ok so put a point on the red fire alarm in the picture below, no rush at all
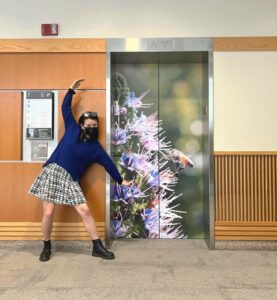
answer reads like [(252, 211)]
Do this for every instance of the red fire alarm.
[(49, 29)]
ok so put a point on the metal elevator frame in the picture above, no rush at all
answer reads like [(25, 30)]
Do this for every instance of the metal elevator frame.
[(129, 45)]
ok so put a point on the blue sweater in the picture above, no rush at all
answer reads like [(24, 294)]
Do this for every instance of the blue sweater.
[(75, 156)]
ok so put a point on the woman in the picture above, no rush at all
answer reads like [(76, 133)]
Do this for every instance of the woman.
[(57, 183)]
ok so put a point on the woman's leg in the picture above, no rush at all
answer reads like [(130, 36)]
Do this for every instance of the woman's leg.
[(88, 220), (89, 223), (47, 223), (47, 219)]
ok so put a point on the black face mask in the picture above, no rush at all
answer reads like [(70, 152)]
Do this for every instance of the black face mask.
[(91, 132)]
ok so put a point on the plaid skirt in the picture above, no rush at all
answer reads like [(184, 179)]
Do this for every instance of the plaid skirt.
[(56, 185)]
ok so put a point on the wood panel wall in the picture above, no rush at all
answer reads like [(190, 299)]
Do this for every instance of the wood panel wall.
[(264, 43), (52, 64), (10, 126), (246, 196), (51, 70)]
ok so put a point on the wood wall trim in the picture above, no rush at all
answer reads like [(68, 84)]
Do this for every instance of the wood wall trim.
[(52, 45), (247, 223), (246, 231), (61, 231), (245, 152), (268, 43)]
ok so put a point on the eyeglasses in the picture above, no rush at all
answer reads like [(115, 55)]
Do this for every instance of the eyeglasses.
[(89, 114)]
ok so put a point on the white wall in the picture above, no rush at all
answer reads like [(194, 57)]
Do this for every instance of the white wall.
[(245, 83), (245, 93), (139, 18)]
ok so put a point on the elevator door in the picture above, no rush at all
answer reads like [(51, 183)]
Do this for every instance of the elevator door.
[(157, 143)]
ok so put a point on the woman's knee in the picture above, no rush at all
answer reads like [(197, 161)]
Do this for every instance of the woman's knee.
[(83, 210), (48, 209)]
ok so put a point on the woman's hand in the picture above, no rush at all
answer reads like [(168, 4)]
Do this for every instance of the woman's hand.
[(76, 84), (127, 183)]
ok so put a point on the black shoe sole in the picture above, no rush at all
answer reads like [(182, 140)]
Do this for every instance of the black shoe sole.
[(44, 259), (105, 257)]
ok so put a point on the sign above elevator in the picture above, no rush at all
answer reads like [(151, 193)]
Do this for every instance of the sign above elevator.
[(158, 44), (162, 44)]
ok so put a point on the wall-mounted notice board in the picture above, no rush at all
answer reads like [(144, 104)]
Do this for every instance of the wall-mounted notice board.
[(39, 115)]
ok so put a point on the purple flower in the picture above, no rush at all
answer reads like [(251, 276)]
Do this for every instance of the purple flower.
[(164, 179), (135, 162), (135, 102), (157, 213), (153, 178), (119, 136), (123, 192), (145, 126), (150, 143), (151, 221), (119, 230), (129, 160)]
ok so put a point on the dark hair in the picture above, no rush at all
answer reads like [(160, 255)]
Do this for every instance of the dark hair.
[(88, 115)]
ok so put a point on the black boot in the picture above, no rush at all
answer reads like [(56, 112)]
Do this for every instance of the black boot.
[(46, 251), (100, 251)]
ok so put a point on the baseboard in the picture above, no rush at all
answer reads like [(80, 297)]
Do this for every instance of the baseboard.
[(61, 231)]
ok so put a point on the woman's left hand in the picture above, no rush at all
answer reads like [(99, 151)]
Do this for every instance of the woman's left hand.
[(76, 83), (127, 183)]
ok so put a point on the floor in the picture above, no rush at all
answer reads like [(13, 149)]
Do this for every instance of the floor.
[(143, 269)]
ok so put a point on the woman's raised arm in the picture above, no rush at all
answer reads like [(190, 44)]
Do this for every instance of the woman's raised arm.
[(67, 102)]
